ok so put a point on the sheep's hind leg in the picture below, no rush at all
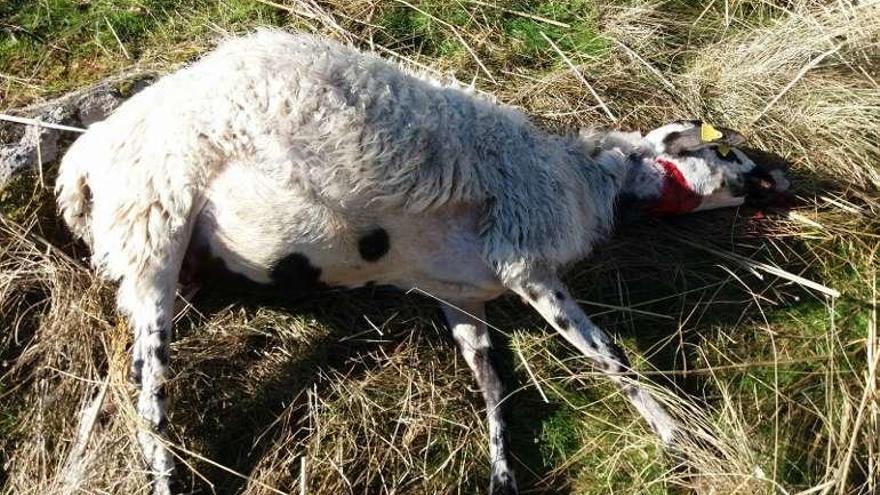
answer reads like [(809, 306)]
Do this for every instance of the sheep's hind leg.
[(147, 298), (551, 299), (472, 337)]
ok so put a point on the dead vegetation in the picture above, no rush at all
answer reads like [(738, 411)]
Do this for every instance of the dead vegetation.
[(362, 392)]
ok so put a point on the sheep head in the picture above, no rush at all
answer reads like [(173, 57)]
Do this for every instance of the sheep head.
[(690, 166)]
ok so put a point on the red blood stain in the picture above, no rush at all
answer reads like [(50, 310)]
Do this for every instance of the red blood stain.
[(677, 196)]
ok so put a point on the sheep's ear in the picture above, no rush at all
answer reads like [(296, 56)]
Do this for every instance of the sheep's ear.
[(700, 136)]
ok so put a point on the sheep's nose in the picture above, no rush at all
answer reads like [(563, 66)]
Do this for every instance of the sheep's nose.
[(767, 187), (782, 183)]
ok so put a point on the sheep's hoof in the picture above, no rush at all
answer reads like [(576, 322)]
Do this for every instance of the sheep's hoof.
[(162, 486), (503, 484)]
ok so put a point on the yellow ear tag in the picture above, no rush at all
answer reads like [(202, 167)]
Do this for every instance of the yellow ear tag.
[(724, 150), (709, 133)]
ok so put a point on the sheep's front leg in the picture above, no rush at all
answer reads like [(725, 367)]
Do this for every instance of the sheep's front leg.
[(551, 299), (148, 300), (472, 337)]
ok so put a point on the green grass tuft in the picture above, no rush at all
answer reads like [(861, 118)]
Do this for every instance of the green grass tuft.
[(58, 45), (560, 438), (423, 30), (582, 39)]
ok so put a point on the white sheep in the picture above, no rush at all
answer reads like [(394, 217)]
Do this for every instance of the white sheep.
[(298, 161)]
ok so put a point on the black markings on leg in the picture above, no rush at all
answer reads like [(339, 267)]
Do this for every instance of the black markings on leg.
[(472, 338), (575, 326), (373, 245), (619, 355), (531, 294), (161, 354), (161, 393), (563, 322)]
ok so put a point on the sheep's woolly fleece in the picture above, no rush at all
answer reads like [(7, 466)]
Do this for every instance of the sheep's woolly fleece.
[(349, 128)]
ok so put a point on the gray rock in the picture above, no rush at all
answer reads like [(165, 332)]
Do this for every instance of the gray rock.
[(96, 107), (27, 147)]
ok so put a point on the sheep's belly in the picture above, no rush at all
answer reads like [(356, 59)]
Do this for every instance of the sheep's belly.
[(274, 235)]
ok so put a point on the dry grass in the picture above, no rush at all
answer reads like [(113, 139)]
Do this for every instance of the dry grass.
[(362, 390)]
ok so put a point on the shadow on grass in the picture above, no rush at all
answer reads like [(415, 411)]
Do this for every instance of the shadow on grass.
[(231, 419)]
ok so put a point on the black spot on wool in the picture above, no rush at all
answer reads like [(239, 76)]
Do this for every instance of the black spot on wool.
[(374, 244), (290, 277), (295, 273)]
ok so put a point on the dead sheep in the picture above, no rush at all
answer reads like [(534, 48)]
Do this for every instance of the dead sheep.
[(300, 162)]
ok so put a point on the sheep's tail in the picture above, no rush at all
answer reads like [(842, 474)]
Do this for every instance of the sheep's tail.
[(72, 192)]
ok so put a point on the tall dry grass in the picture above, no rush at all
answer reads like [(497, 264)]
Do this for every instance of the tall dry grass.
[(363, 394)]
